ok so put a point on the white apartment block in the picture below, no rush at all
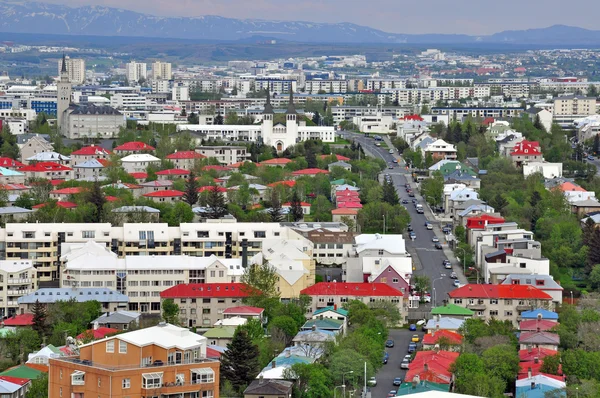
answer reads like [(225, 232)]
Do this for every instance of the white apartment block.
[(210, 85), (17, 278), (161, 86), (161, 71), (128, 101), (275, 86), (460, 113), (506, 89), (383, 84), (135, 71), (43, 243), (567, 87), (181, 92), (75, 69), (347, 113), (413, 96), (327, 86)]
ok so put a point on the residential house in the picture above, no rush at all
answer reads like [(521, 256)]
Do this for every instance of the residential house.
[(539, 339), (440, 149), (220, 335), (244, 311), (225, 154), (133, 214), (584, 207), (341, 164), (534, 325), (575, 193), (330, 247), (14, 387), (170, 195), (331, 313), (50, 156), (344, 214), (442, 337), (9, 176), (444, 323), (90, 152), (540, 313), (155, 186), (172, 174), (540, 385), (276, 162), (451, 310), (305, 207), (30, 144), (14, 214), (498, 264), (308, 173), (326, 324), (457, 197), (185, 160), (138, 162), (544, 282), (525, 152), (120, 320), (165, 357), (90, 169), (133, 147), (431, 366), (262, 388), (47, 171)]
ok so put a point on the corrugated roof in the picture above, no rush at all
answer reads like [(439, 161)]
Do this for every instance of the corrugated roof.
[(185, 290), (351, 289), (499, 291)]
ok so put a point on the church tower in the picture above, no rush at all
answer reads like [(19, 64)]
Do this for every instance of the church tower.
[(291, 121), (63, 97), (267, 123)]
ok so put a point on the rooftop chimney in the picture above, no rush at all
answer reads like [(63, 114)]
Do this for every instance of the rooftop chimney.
[(274, 364), (536, 360), (425, 367), (261, 380), (244, 253), (529, 373)]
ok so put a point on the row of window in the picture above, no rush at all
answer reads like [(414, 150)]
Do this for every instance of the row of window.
[(493, 302)]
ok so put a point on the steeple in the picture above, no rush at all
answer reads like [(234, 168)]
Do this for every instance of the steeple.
[(291, 110), (64, 65), (268, 107)]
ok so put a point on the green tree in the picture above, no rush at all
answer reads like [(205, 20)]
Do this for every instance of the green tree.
[(20, 343), (218, 119), (283, 329), (216, 203), (39, 319), (422, 283), (262, 281), (39, 387), (254, 329), (239, 364), (178, 213), (96, 197), (312, 380), (390, 195), (275, 212), (502, 361), (190, 195), (551, 364), (296, 207), (311, 159), (170, 311)]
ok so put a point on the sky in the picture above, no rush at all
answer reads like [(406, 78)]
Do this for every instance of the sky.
[(474, 17)]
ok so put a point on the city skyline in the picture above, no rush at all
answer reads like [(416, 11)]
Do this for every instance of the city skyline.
[(471, 17)]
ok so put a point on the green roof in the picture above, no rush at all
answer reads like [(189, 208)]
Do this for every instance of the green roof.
[(323, 324), (23, 372), (341, 181), (452, 309), (451, 167), (340, 311), (424, 386), (225, 332)]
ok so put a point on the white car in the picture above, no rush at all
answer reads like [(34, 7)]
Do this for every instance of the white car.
[(435, 239), (456, 283), (372, 382), (429, 226)]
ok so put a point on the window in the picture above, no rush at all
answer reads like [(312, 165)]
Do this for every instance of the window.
[(88, 234), (457, 301), (99, 382), (260, 234), (493, 301), (110, 346), (493, 313), (179, 379), (203, 375), (122, 347), (508, 313), (126, 383), (151, 380), (507, 302), (77, 378), (395, 280)]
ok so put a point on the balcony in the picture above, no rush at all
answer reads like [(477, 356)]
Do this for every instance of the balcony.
[(19, 281), (157, 365), (524, 307), (18, 292), (476, 307)]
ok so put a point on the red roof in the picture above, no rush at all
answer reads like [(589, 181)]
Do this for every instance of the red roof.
[(351, 289), (432, 338), (289, 204), (186, 155), (167, 193), (534, 324), (14, 187), (413, 117), (97, 334), (212, 353), (570, 187), (349, 205), (288, 183), (432, 366), (531, 354), (173, 172), (347, 199), (276, 161), (15, 380), (44, 167), (535, 370), (19, 320), (184, 290), (338, 157), (346, 192), (8, 163), (55, 183), (526, 148), (111, 198), (139, 176), (64, 205), (67, 191), (481, 221), (91, 150), (212, 188), (487, 121), (217, 168), (344, 212), (104, 162), (499, 292), (238, 164), (134, 146), (244, 310), (309, 172)]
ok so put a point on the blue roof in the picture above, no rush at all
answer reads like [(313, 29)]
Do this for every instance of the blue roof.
[(534, 314), (9, 173), (340, 311)]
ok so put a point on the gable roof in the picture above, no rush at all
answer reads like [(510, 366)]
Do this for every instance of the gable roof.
[(312, 171), (184, 290), (269, 387), (339, 311), (276, 161), (323, 324), (244, 310), (529, 354), (97, 334), (533, 314), (432, 338), (168, 193), (539, 338), (186, 155), (41, 167), (288, 183), (432, 366), (173, 172), (19, 320), (534, 324), (499, 291), (351, 289), (134, 146), (8, 162), (92, 150)]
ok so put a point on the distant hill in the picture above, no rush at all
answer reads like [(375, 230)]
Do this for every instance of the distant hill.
[(45, 18)]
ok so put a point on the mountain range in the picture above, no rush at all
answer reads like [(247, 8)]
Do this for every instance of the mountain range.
[(45, 18)]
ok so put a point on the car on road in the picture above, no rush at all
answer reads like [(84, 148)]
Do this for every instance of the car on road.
[(456, 283), (391, 166), (590, 157), (411, 194), (439, 246), (372, 382), (435, 239), (447, 265), (419, 210), (397, 381), (389, 343), (386, 357), (429, 226), (453, 275), (395, 160), (404, 201), (405, 363), (415, 338), (446, 230), (412, 347), (412, 235), (378, 144), (412, 327), (427, 298), (445, 262), (415, 202), (392, 393)]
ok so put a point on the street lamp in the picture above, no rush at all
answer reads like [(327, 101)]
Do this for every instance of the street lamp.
[(344, 381), (476, 270), (464, 259), (433, 288), (335, 388), (384, 224)]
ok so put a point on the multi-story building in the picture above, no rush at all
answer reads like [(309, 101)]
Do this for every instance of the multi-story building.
[(92, 122), (138, 162), (128, 101), (89, 153), (275, 86), (569, 108), (224, 154), (330, 247), (17, 278), (75, 69), (460, 113), (136, 71), (526, 152), (163, 360), (501, 302), (109, 300), (383, 84), (161, 71), (47, 171), (185, 160), (325, 86), (31, 144), (181, 92), (203, 304), (336, 294)]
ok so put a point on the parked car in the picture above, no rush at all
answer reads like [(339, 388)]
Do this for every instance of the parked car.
[(439, 247), (405, 363), (404, 201), (411, 194), (453, 275), (412, 327), (456, 283), (412, 347), (386, 357), (415, 338), (372, 382), (397, 381), (429, 226), (445, 262), (389, 343), (435, 239), (446, 265), (392, 393)]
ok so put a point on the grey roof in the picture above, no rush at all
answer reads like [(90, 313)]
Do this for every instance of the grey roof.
[(444, 323), (89, 164), (135, 209), (494, 254), (117, 317), (268, 107), (52, 295), (94, 110), (340, 163), (14, 210), (23, 138), (426, 141), (269, 387), (478, 207), (468, 203), (549, 282), (595, 218), (586, 203)]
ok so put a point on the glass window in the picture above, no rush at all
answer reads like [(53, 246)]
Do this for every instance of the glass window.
[(126, 383), (110, 346), (122, 347), (152, 380)]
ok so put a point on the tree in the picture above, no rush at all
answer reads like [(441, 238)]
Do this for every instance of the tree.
[(178, 213), (592, 91), (39, 319), (218, 119), (170, 311), (239, 364), (296, 207), (193, 118), (262, 281), (390, 195), (421, 283), (311, 159), (502, 361), (39, 387), (215, 203), (190, 195), (96, 197), (551, 364), (283, 329), (275, 212), (596, 147), (316, 119)]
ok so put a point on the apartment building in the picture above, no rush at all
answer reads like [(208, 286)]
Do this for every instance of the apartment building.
[(383, 84), (138, 162), (185, 160), (30, 144), (163, 360), (89, 153), (110, 300), (325, 86), (330, 247), (414, 96), (501, 302), (461, 113), (332, 294), (225, 154), (347, 113), (545, 283), (75, 69), (92, 122), (128, 101), (136, 71), (203, 304), (161, 71), (569, 108), (17, 278), (43, 243), (275, 86), (498, 264)]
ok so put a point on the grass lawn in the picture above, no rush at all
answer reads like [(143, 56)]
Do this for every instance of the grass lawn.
[(341, 141)]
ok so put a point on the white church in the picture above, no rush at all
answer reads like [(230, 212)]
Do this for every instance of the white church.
[(279, 136)]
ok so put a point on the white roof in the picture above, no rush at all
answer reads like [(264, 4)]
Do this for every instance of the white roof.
[(393, 244), (163, 335), (233, 321), (440, 394), (48, 157), (440, 145), (448, 188), (464, 194), (541, 379), (258, 187), (140, 157), (13, 266), (6, 387)]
